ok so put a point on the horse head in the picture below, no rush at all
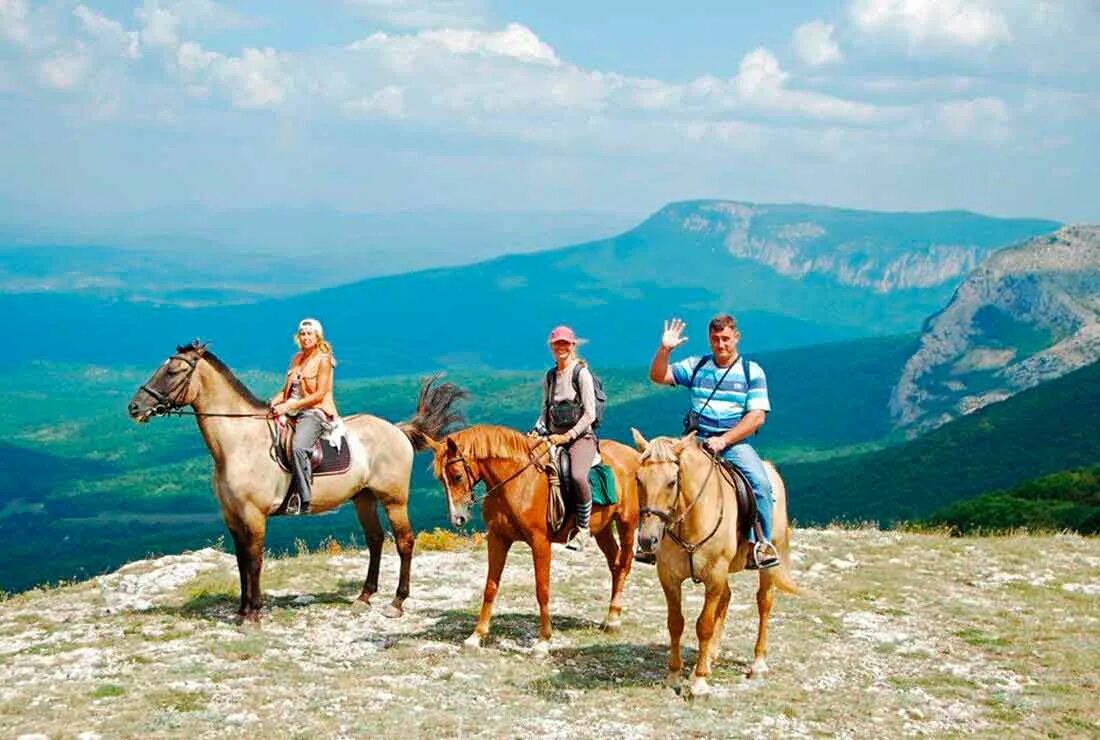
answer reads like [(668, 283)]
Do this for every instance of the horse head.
[(658, 485), (459, 475), (171, 386)]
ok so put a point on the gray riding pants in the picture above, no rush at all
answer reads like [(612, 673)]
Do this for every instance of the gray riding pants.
[(308, 430)]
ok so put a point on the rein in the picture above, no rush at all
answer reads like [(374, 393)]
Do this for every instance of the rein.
[(671, 524)]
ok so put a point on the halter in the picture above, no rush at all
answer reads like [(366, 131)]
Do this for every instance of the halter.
[(671, 524)]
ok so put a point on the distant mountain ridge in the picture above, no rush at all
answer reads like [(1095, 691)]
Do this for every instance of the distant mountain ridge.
[(844, 276), (881, 251), (1028, 314)]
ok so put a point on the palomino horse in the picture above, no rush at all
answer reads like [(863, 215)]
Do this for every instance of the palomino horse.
[(250, 485), (689, 507), (515, 510)]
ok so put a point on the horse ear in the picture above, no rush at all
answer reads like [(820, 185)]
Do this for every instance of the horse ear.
[(435, 446), (639, 441), (683, 442), (452, 446)]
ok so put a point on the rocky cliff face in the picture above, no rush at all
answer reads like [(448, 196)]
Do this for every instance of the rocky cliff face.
[(880, 251), (1030, 313)]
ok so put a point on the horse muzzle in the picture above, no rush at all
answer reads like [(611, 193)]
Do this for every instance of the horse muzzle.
[(139, 414), (460, 517)]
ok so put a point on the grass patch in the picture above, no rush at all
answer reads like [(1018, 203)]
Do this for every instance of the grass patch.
[(446, 540), (180, 701), (107, 690), (978, 638)]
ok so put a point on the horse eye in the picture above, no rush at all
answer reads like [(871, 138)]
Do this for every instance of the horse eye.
[(670, 484)]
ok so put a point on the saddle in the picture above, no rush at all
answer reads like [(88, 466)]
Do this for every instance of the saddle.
[(563, 496), (325, 458), (746, 499)]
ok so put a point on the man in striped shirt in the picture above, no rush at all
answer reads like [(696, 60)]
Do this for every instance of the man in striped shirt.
[(729, 408)]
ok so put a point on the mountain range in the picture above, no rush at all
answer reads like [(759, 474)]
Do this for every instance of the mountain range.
[(794, 275)]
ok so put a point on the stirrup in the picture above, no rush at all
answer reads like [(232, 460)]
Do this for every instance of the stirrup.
[(295, 506), (762, 556)]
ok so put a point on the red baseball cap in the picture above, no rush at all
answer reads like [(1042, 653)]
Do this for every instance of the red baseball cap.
[(562, 334)]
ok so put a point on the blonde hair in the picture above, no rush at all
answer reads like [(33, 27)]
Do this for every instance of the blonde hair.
[(323, 346)]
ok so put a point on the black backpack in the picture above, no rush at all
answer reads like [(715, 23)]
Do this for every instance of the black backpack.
[(554, 412)]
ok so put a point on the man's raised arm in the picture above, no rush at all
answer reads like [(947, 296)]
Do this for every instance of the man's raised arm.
[(671, 338)]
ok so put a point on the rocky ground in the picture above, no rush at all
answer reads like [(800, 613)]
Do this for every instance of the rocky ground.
[(897, 634)]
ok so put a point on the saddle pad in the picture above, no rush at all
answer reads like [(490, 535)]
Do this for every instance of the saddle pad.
[(333, 461), (602, 480)]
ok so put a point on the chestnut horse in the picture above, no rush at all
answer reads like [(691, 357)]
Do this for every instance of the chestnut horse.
[(515, 510), (250, 485), (689, 513)]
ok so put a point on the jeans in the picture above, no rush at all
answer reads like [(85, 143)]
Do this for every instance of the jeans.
[(748, 461)]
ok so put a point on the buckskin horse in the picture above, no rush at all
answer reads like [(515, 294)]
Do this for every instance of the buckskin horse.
[(251, 486), (689, 515), (515, 509)]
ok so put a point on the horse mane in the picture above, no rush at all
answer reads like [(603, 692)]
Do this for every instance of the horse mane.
[(228, 375), (660, 449), (491, 441)]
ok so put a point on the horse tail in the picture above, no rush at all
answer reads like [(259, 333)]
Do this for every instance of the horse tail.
[(434, 413), (781, 575)]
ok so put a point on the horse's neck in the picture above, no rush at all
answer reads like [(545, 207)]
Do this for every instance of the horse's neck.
[(223, 434), (706, 488)]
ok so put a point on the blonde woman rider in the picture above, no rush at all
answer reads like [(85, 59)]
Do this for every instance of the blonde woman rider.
[(567, 416), (307, 395)]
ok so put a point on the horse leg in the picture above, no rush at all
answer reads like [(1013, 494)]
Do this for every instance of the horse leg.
[(720, 622), (366, 508), (398, 514), (765, 597), (540, 553), (498, 553), (672, 586), (716, 586), (612, 551), (244, 568)]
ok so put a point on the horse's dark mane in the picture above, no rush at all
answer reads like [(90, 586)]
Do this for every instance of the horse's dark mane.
[(490, 441), (232, 379)]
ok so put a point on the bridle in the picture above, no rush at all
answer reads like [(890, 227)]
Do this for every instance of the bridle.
[(473, 480), (171, 402), (672, 523)]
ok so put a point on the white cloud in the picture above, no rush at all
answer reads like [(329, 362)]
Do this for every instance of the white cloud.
[(815, 45), (109, 32), (759, 75), (159, 26), (15, 21), (981, 118), (515, 41), (388, 101), (258, 78), (418, 14), (64, 70), (967, 23)]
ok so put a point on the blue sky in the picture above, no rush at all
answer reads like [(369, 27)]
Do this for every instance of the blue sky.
[(385, 105)]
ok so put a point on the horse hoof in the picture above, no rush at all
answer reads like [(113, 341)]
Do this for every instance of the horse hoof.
[(473, 642), (612, 625), (361, 604), (393, 611), (673, 679), (699, 687), (249, 622), (541, 649), (759, 670)]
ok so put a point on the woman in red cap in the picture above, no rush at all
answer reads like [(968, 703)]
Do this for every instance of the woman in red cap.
[(568, 411)]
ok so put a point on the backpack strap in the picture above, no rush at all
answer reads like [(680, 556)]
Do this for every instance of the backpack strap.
[(698, 366), (577, 379), (548, 392)]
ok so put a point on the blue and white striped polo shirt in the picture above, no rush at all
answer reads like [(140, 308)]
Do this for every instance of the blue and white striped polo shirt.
[(734, 397)]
